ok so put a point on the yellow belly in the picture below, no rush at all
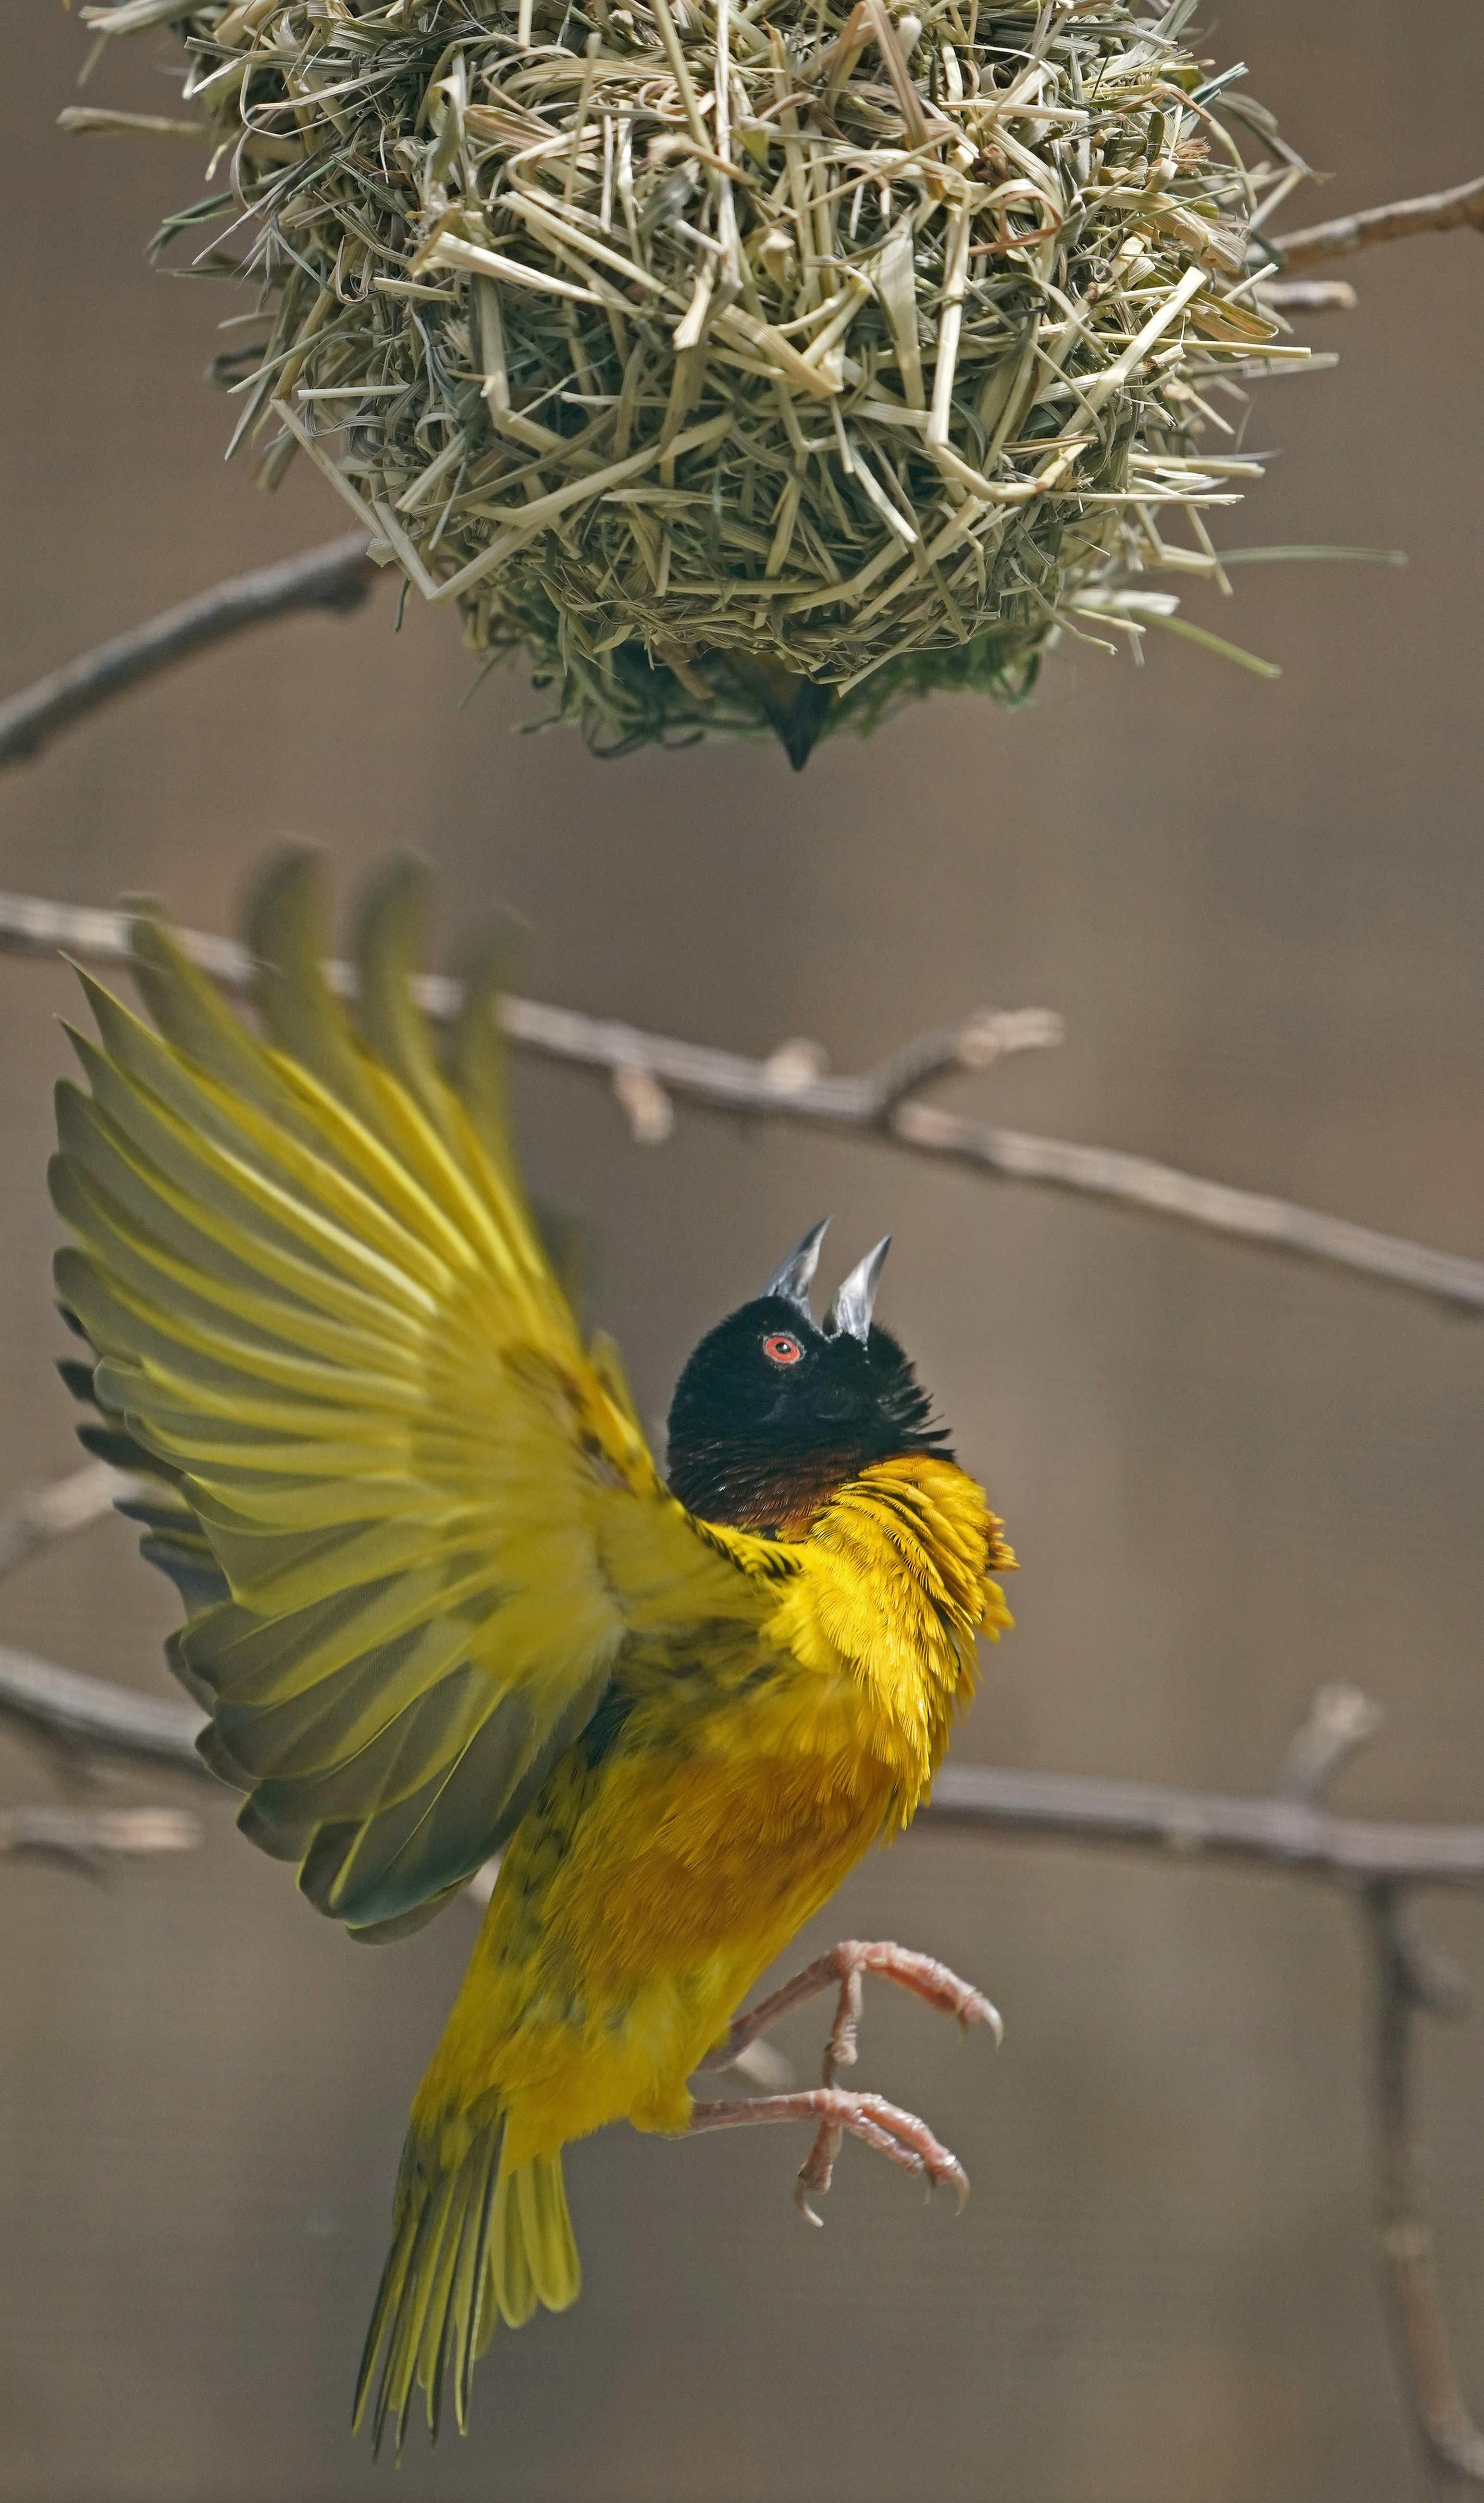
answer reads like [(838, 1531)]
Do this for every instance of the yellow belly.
[(639, 1903)]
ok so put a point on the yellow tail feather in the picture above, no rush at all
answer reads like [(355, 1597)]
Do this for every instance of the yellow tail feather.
[(471, 2244)]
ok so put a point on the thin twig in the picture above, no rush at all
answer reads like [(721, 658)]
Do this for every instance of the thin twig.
[(337, 576), (1341, 1720), (33, 1521), (86, 1838), (1409, 1974), (1307, 295), (877, 1103), (1282, 1833), (90, 1716), (1433, 214), (1404, 1981), (1161, 1191), (974, 1043)]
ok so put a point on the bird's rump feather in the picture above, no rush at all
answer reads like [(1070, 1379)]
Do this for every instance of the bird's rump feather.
[(413, 1518)]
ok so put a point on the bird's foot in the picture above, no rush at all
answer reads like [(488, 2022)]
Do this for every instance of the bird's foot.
[(843, 1970), (895, 2134), (926, 1979), (907, 2141)]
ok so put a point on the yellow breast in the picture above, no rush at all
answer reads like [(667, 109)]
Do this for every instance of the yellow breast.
[(896, 1584), (721, 1793)]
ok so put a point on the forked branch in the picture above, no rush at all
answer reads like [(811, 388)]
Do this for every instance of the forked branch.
[(92, 1716), (648, 1069)]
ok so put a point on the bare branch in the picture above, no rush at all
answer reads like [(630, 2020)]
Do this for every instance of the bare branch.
[(1454, 2442), (1409, 1974), (975, 1044), (1161, 1190), (1434, 214), (98, 1717), (879, 1102), (650, 1114), (86, 1838), (33, 1521), (1307, 295), (1281, 1834), (337, 576), (92, 1716)]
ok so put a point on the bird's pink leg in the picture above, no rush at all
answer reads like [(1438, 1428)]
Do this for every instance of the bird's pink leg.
[(843, 1970)]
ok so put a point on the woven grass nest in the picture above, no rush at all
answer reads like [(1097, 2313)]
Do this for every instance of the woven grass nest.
[(745, 367)]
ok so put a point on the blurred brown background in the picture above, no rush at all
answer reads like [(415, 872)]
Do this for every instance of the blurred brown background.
[(1228, 1479)]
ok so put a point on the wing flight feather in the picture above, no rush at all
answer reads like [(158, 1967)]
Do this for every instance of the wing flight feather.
[(412, 1519)]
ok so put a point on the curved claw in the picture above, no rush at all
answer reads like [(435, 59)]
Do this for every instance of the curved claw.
[(894, 2133), (982, 2011), (801, 2202)]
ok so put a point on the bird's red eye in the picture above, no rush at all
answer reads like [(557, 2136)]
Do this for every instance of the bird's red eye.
[(781, 1348)]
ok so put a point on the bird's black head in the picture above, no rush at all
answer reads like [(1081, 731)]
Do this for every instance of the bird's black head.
[(773, 1409)]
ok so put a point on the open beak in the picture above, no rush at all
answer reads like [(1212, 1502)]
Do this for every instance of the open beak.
[(791, 1281), (850, 1311)]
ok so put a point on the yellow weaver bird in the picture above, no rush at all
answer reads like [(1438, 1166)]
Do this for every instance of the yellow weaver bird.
[(440, 1602)]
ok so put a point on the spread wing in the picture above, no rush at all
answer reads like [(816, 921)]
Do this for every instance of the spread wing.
[(412, 1519)]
